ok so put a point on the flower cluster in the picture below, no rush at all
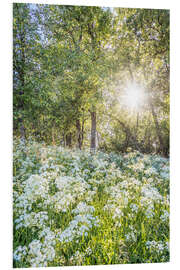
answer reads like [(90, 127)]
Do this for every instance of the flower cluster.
[(158, 247), (74, 208)]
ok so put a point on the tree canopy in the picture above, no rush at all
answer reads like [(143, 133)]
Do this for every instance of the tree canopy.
[(92, 77)]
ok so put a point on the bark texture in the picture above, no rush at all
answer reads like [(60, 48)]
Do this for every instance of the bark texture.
[(93, 131)]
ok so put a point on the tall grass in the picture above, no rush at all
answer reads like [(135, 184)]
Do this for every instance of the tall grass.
[(74, 208)]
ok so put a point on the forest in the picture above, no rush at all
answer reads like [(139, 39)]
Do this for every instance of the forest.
[(90, 135), (92, 77)]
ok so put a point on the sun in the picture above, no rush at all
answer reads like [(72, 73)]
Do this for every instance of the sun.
[(134, 96)]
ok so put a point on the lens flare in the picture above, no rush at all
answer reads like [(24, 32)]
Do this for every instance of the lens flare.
[(134, 97)]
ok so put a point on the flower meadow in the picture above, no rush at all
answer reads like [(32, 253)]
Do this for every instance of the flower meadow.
[(71, 207)]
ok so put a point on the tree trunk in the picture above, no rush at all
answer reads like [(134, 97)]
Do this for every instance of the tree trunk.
[(69, 139), (93, 131), (22, 129), (136, 127), (158, 131), (64, 139), (53, 135), (79, 134), (82, 132)]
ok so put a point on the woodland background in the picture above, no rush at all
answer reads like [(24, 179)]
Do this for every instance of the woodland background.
[(71, 65)]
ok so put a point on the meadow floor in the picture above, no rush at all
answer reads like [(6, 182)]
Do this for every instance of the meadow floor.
[(74, 208)]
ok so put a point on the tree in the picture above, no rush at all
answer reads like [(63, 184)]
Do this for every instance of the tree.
[(81, 71), (71, 65)]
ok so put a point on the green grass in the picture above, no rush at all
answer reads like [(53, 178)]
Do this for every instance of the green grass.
[(120, 205)]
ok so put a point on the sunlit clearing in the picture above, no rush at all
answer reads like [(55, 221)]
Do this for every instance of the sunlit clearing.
[(134, 97)]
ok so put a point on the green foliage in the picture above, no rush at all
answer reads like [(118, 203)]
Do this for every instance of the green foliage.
[(69, 60)]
